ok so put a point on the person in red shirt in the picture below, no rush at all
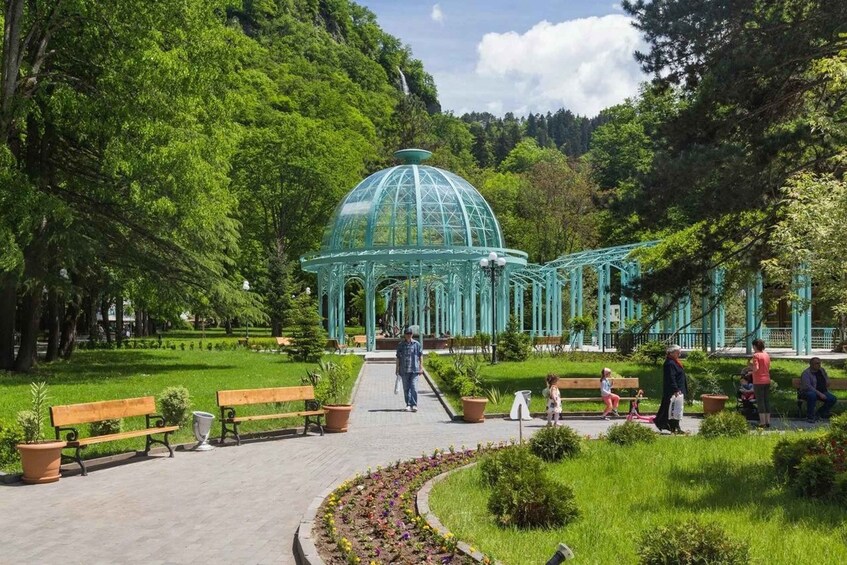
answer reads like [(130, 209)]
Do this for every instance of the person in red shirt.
[(761, 366)]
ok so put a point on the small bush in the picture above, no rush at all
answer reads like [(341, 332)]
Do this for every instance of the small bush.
[(838, 428), (839, 489), (630, 433), (9, 438), (651, 352), (508, 461), (788, 453), (529, 499), (105, 427), (815, 476), (696, 357), (724, 424), (514, 344), (691, 542), (555, 443), (175, 403)]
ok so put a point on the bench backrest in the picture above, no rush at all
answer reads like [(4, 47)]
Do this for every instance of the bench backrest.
[(548, 340), (834, 384), (587, 384), (332, 344), (360, 339), (264, 395), (71, 414), (284, 341)]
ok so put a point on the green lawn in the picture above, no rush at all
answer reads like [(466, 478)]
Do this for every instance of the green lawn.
[(510, 377), (104, 375), (623, 491)]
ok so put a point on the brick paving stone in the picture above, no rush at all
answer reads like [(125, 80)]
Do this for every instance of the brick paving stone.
[(233, 504)]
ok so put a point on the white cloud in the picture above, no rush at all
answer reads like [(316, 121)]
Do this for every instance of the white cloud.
[(584, 65), (437, 14)]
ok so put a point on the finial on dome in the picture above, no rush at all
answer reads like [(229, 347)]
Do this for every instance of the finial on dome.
[(413, 156)]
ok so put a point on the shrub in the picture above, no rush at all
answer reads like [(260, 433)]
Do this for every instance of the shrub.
[(529, 499), (788, 453), (9, 438), (630, 433), (815, 476), (838, 428), (555, 443), (651, 351), (691, 542), (839, 489), (308, 338), (31, 421), (724, 424), (175, 403), (105, 427), (696, 357), (508, 461), (514, 344)]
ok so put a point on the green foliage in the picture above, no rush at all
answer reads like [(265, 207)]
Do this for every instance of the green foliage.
[(514, 344), (650, 352), (815, 476), (630, 433), (32, 421), (724, 424), (705, 382), (527, 499), (696, 357), (555, 443), (308, 338), (508, 461), (581, 323), (464, 377), (9, 438), (174, 403), (691, 543), (788, 453), (838, 428), (839, 489), (330, 381), (105, 427)]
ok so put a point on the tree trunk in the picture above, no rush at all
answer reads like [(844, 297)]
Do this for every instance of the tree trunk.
[(28, 351), (53, 325), (139, 323), (69, 325), (104, 314), (8, 304), (119, 319), (276, 327), (196, 322), (150, 323), (91, 316), (228, 326)]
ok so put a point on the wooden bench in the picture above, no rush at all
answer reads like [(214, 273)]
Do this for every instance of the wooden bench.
[(834, 384), (229, 399), (594, 384), (360, 340), (63, 418), (335, 346), (550, 342), (283, 341)]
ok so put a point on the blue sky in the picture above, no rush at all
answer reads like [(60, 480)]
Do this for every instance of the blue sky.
[(519, 56)]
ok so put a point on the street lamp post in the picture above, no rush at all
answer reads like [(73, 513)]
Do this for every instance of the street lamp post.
[(245, 286), (493, 266)]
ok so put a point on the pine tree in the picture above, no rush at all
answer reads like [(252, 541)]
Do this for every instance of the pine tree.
[(309, 338)]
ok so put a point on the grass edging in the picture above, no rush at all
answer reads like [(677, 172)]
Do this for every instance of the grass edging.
[(422, 507), (441, 397)]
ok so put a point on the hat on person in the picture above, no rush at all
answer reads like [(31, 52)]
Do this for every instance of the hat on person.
[(408, 331)]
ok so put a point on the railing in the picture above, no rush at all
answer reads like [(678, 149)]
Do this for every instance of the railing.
[(822, 338), (686, 340)]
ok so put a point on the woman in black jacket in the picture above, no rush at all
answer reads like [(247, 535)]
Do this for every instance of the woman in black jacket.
[(674, 389)]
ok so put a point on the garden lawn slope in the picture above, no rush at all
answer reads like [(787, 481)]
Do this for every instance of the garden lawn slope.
[(623, 491)]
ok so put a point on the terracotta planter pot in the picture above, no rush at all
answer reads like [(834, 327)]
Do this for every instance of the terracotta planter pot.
[(41, 461), (337, 416), (473, 409), (713, 403)]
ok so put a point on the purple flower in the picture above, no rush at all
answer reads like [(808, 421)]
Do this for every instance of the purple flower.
[(405, 536)]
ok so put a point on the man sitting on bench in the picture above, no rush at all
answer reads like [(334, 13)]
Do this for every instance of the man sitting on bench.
[(814, 386)]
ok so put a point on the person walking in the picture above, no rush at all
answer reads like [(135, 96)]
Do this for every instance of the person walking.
[(408, 368), (814, 386), (554, 400), (610, 399), (674, 389), (761, 366)]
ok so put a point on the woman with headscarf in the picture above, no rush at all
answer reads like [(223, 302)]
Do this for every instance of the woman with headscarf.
[(674, 389)]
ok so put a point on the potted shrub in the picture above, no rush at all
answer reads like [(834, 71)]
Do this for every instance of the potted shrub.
[(470, 387), (711, 393), (329, 382), (41, 460)]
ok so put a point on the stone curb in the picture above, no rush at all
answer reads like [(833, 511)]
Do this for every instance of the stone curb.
[(422, 506), (441, 398)]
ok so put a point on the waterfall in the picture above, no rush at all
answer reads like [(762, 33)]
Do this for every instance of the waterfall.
[(404, 86)]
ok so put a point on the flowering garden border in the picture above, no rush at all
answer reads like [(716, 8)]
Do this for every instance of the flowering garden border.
[(383, 516)]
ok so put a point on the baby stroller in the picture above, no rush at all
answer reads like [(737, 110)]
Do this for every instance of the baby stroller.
[(745, 398)]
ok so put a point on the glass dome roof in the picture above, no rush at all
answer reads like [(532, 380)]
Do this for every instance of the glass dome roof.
[(412, 206)]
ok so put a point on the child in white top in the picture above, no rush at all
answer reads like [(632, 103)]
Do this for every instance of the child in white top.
[(609, 398)]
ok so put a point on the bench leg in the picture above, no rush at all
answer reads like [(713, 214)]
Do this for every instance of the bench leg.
[(165, 442), (78, 459), (316, 421)]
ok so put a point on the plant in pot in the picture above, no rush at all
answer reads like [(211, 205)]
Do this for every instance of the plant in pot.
[(40, 459), (578, 326), (471, 388), (329, 381), (711, 393)]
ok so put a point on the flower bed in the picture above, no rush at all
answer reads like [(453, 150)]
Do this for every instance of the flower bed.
[(372, 518)]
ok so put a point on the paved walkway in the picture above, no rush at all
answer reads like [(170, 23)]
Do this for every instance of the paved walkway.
[(234, 504)]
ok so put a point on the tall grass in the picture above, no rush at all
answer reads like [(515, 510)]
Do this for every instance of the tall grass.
[(622, 492)]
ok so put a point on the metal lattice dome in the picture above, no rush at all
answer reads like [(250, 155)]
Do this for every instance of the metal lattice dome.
[(412, 205)]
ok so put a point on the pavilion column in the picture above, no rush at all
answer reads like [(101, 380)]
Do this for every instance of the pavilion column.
[(713, 310), (753, 312), (536, 298), (332, 309), (370, 307), (801, 312), (469, 303), (436, 310), (340, 318), (607, 276), (601, 304)]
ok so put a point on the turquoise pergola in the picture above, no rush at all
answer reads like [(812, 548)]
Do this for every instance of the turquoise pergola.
[(415, 234)]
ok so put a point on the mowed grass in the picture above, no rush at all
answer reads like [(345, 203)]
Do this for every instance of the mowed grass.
[(92, 376), (622, 492), (509, 377)]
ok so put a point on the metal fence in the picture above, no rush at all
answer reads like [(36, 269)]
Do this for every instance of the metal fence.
[(822, 338)]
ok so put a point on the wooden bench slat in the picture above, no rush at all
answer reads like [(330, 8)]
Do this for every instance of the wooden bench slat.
[(265, 395), (597, 399), (88, 412), (283, 341), (588, 384), (834, 384), (122, 435), (276, 416)]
